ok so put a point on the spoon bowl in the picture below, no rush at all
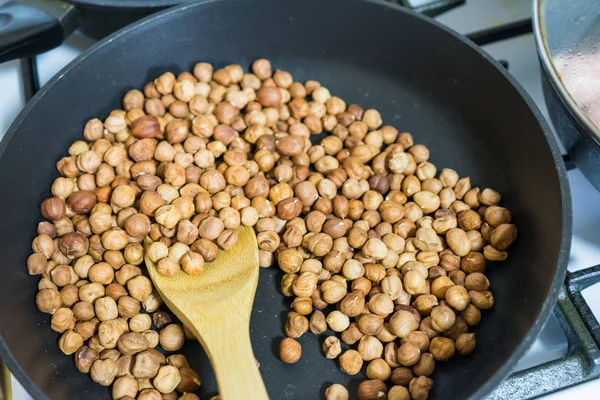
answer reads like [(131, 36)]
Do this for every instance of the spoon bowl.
[(216, 305)]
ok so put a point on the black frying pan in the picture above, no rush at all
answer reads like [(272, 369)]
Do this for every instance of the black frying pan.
[(424, 78)]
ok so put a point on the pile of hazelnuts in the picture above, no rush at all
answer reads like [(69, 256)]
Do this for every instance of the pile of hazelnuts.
[(378, 247)]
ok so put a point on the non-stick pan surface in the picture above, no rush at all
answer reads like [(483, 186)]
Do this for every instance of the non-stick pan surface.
[(424, 78)]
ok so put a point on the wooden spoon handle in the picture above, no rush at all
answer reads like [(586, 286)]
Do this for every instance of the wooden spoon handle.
[(234, 364), (230, 352)]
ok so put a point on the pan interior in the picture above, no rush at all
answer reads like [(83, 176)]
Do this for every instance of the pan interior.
[(422, 78)]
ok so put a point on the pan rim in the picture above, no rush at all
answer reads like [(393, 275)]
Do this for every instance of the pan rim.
[(566, 217), (117, 5)]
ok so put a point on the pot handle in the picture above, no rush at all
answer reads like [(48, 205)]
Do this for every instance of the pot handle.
[(30, 27)]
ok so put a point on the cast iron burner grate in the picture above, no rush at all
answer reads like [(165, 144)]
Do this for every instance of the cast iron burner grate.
[(582, 330)]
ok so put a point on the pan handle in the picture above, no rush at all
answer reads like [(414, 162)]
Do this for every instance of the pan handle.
[(30, 27), (431, 8)]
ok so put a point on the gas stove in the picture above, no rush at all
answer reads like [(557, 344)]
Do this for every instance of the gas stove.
[(561, 356)]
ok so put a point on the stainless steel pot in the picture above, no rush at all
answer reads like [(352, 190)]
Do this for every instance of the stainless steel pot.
[(567, 33)]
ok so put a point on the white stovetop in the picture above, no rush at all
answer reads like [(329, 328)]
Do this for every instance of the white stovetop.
[(521, 55)]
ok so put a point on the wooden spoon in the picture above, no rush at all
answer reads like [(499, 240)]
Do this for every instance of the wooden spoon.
[(216, 306)]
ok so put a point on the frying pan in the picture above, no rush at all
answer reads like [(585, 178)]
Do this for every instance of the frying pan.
[(423, 77), (30, 27)]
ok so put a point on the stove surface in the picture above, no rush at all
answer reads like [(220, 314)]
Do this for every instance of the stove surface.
[(521, 55)]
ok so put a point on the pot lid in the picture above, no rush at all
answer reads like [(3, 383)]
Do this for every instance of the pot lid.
[(568, 37)]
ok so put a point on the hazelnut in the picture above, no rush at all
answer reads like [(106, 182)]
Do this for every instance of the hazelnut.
[(370, 324), (132, 343), (317, 323), (147, 364), (379, 369), (172, 337), (81, 202), (398, 393), (370, 348), (337, 321), (190, 380), (48, 300), (458, 297), (503, 236), (332, 347), (296, 325), (465, 343), (353, 303), (104, 371), (336, 392), (402, 323), (139, 288), (84, 358), (140, 323), (289, 351), (441, 348), (419, 387), (482, 300), (167, 379), (125, 387), (442, 318), (351, 362), (53, 208), (372, 390)]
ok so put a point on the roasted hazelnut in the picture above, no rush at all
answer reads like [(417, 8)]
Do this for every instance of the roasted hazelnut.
[(332, 347), (125, 387), (425, 303), (172, 337), (465, 343), (140, 323), (378, 369), (353, 303), (147, 364), (190, 380), (442, 318), (440, 285), (104, 371), (63, 320), (350, 362), (73, 245), (48, 300), (482, 300), (371, 324), (503, 236), (370, 348), (372, 390), (477, 281), (139, 288), (296, 325), (53, 208), (408, 354), (336, 392), (167, 379), (414, 282), (152, 394), (36, 263), (401, 376), (84, 358), (70, 342), (441, 348), (317, 323), (419, 388), (458, 297)]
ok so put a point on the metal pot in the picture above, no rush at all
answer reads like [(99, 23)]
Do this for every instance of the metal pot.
[(567, 33)]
